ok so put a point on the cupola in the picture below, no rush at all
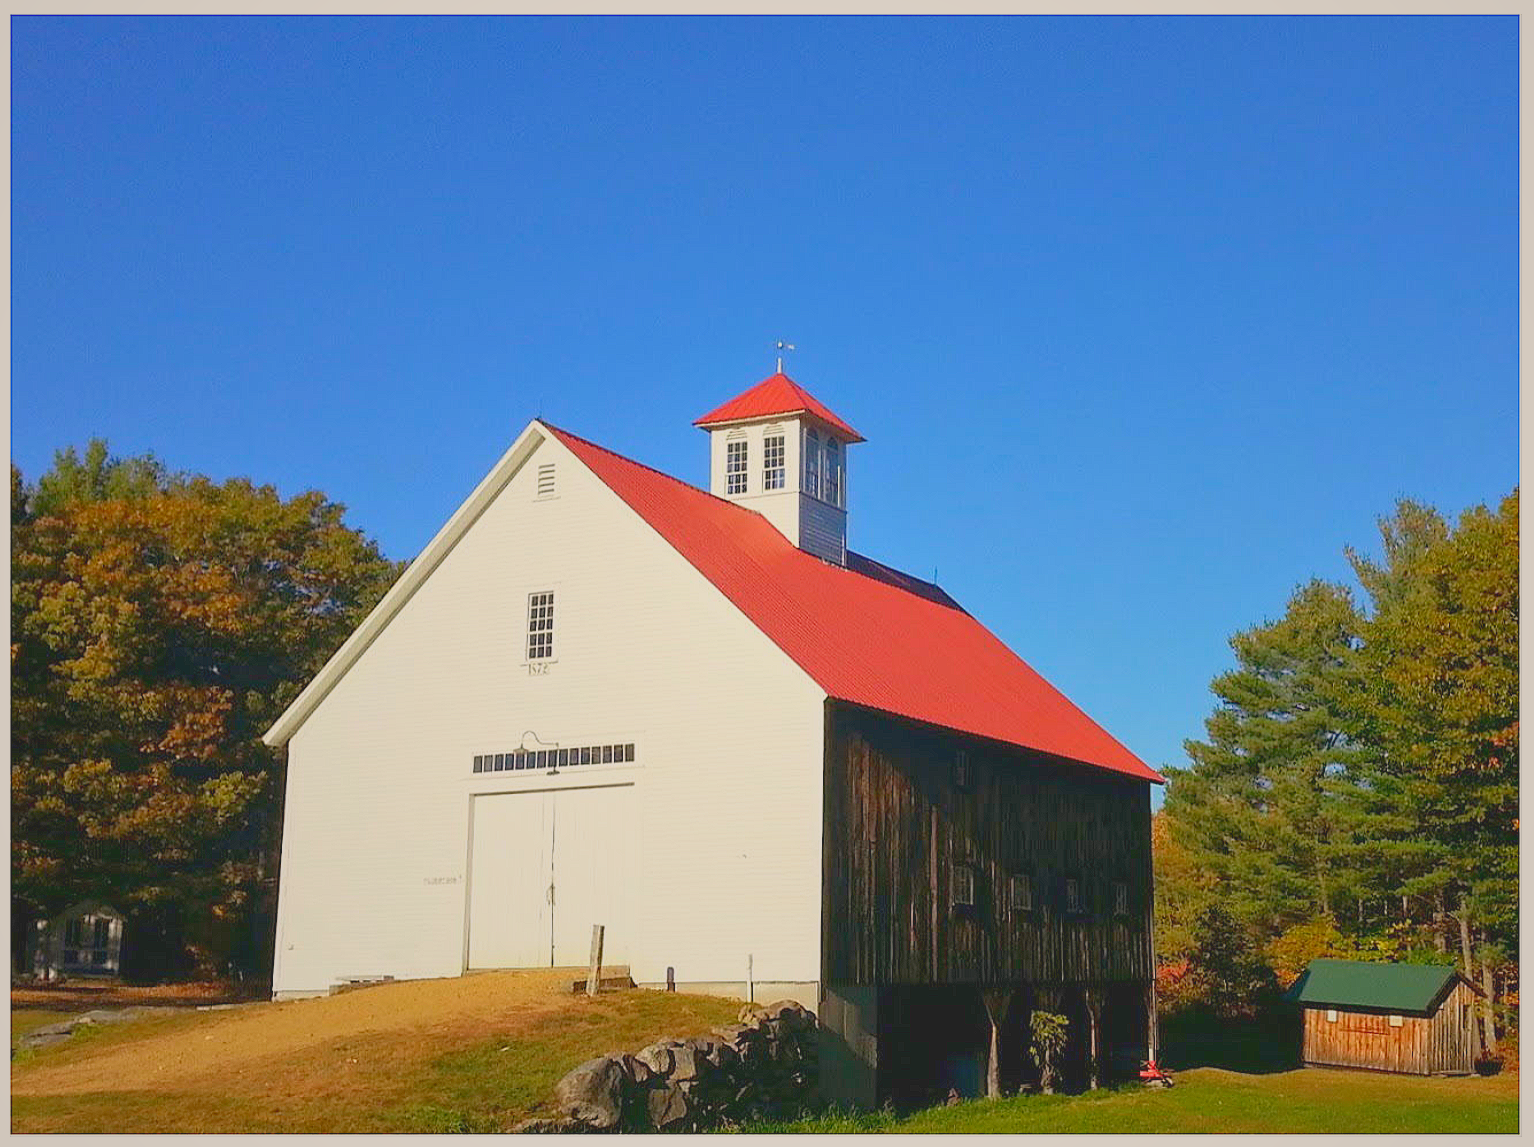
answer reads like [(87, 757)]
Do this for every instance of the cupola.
[(779, 450)]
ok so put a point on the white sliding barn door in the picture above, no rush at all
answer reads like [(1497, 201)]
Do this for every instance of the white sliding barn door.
[(512, 872), (593, 858), (546, 866)]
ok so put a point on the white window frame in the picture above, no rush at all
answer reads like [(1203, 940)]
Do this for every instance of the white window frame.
[(539, 646), (1331, 1015), (1397, 1021), (737, 462), (833, 470), (811, 462), (774, 459)]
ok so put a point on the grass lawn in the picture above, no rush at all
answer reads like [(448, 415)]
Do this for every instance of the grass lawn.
[(482, 1052), (1213, 1100)]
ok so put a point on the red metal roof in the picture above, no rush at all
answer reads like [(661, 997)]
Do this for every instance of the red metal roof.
[(866, 634), (777, 395)]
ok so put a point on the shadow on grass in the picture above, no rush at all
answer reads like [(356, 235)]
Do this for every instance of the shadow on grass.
[(1251, 1047)]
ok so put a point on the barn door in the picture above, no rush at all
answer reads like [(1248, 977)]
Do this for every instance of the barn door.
[(511, 880), (592, 858), (545, 867)]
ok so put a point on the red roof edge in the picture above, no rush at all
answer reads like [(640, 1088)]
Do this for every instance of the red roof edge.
[(774, 395)]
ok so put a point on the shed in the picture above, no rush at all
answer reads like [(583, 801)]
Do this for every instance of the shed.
[(1410, 1018), (83, 940)]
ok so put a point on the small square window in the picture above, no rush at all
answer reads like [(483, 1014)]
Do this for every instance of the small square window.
[(586, 755), (1397, 1021), (963, 886), (500, 762), (1020, 892), (1331, 1015), (564, 756), (961, 773), (628, 752), (1072, 894), (607, 754), (543, 758), (479, 764)]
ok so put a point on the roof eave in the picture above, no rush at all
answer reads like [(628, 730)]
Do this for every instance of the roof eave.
[(841, 428)]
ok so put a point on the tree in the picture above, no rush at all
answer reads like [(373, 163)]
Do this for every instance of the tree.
[(159, 623), (1048, 1032), (1233, 979), (1439, 698), (1260, 809)]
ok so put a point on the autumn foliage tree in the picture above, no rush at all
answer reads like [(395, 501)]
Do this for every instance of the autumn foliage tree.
[(159, 623)]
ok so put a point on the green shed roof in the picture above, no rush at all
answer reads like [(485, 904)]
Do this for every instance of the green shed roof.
[(1358, 984)]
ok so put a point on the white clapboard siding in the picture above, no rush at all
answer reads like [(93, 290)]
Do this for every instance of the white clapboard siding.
[(724, 861)]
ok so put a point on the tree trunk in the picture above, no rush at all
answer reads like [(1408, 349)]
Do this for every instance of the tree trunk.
[(1152, 1024), (1464, 936), (996, 1001), (1488, 1021), (1439, 939), (1094, 1004)]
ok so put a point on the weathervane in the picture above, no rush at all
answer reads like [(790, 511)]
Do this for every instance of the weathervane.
[(782, 346)]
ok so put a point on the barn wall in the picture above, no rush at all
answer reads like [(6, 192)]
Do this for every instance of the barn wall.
[(728, 736), (896, 825)]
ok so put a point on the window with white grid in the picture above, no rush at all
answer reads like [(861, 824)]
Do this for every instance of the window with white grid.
[(735, 466), (812, 463), (540, 626), (774, 454)]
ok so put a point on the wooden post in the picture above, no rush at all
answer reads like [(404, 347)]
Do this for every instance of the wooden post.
[(594, 974), (996, 1001), (1094, 1001), (1153, 1027), (750, 978)]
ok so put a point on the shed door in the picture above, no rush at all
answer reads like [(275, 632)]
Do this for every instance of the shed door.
[(546, 866)]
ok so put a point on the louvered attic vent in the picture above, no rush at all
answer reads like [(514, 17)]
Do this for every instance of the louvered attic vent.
[(546, 480)]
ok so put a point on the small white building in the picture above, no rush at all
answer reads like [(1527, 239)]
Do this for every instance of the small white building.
[(601, 695), (83, 940)]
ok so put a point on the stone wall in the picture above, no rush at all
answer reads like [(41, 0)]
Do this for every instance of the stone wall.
[(765, 1066)]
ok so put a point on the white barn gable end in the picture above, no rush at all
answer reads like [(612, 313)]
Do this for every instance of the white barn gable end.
[(400, 860)]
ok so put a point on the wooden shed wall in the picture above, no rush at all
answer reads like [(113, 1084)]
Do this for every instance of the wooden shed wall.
[(896, 824), (1422, 1045)]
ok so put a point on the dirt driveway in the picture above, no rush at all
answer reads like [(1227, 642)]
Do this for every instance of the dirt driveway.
[(264, 1036)]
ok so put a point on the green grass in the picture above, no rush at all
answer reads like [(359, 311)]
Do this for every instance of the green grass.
[(495, 1076), (1313, 1100)]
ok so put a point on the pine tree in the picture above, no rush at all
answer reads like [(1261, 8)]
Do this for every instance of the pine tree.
[(1264, 804)]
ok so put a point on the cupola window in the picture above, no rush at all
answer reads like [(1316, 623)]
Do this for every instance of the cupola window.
[(833, 471), (812, 463), (774, 454), (735, 465)]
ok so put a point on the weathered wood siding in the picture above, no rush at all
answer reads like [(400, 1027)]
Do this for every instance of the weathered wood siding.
[(1442, 1042), (896, 824)]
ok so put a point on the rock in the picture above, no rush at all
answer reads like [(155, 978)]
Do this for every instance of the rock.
[(634, 1068), (687, 1062), (44, 1037), (723, 1056), (657, 1057), (667, 1108), (592, 1094)]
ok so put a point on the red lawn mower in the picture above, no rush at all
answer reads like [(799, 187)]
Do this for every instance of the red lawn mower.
[(1154, 1076)]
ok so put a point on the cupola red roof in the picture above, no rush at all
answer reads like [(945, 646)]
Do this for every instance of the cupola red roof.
[(778, 394)]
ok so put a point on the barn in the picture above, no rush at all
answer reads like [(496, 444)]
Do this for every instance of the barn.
[(1412, 1018), (768, 765)]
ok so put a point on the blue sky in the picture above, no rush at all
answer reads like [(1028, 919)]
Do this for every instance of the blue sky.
[(1143, 319)]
